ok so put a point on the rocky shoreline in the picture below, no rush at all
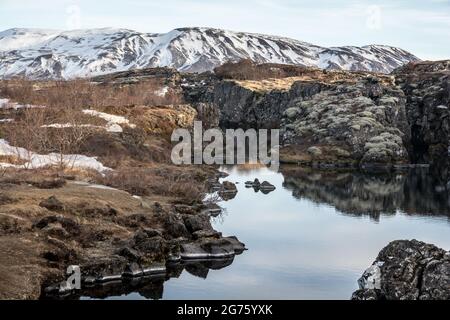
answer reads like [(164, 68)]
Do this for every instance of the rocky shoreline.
[(187, 236), (109, 234)]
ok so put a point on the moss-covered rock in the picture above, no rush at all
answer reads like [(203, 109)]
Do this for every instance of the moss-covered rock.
[(364, 122)]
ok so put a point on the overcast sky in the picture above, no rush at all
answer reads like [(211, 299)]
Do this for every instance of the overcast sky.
[(419, 26)]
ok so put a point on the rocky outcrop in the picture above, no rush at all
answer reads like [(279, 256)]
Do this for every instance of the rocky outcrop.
[(356, 124), (212, 248), (133, 76), (333, 117), (407, 270), (198, 91), (245, 108), (254, 104), (336, 117)]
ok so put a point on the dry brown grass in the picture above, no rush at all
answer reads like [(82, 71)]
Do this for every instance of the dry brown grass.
[(269, 84), (84, 94), (64, 102), (284, 84), (269, 76), (185, 183), (29, 176), (132, 147)]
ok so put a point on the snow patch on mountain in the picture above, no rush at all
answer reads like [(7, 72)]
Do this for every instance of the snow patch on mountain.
[(53, 54)]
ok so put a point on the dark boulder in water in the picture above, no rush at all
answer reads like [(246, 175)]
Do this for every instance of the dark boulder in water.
[(255, 183), (228, 190), (407, 270), (209, 248), (265, 187)]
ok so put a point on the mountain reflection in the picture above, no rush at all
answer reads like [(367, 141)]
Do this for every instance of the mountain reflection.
[(356, 193)]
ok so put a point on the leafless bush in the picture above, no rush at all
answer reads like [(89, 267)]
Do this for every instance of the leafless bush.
[(30, 132), (27, 132), (65, 141), (83, 94)]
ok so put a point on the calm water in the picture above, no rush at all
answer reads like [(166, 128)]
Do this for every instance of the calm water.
[(312, 237)]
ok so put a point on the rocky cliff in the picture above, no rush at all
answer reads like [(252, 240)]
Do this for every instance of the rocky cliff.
[(427, 89), (346, 118), (329, 118)]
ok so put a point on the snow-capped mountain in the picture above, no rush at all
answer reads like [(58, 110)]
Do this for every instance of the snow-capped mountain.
[(49, 54)]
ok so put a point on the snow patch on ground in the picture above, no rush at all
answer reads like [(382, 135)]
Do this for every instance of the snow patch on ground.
[(114, 121), (8, 104), (35, 160), (95, 186), (69, 125)]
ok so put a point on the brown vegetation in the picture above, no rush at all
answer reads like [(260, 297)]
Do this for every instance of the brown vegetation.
[(85, 94), (63, 128), (131, 147), (187, 184), (55, 216), (248, 70), (29, 131), (270, 76)]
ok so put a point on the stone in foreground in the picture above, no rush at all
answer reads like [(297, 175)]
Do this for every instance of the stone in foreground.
[(407, 270)]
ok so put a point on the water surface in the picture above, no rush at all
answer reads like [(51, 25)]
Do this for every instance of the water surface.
[(313, 236)]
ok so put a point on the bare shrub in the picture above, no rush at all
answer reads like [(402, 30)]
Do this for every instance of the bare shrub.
[(29, 131), (65, 141), (84, 94)]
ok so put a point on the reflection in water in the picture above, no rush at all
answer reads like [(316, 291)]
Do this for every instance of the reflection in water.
[(356, 193), (311, 238), (151, 287)]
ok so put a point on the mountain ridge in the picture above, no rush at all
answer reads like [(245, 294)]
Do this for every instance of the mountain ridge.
[(55, 54)]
